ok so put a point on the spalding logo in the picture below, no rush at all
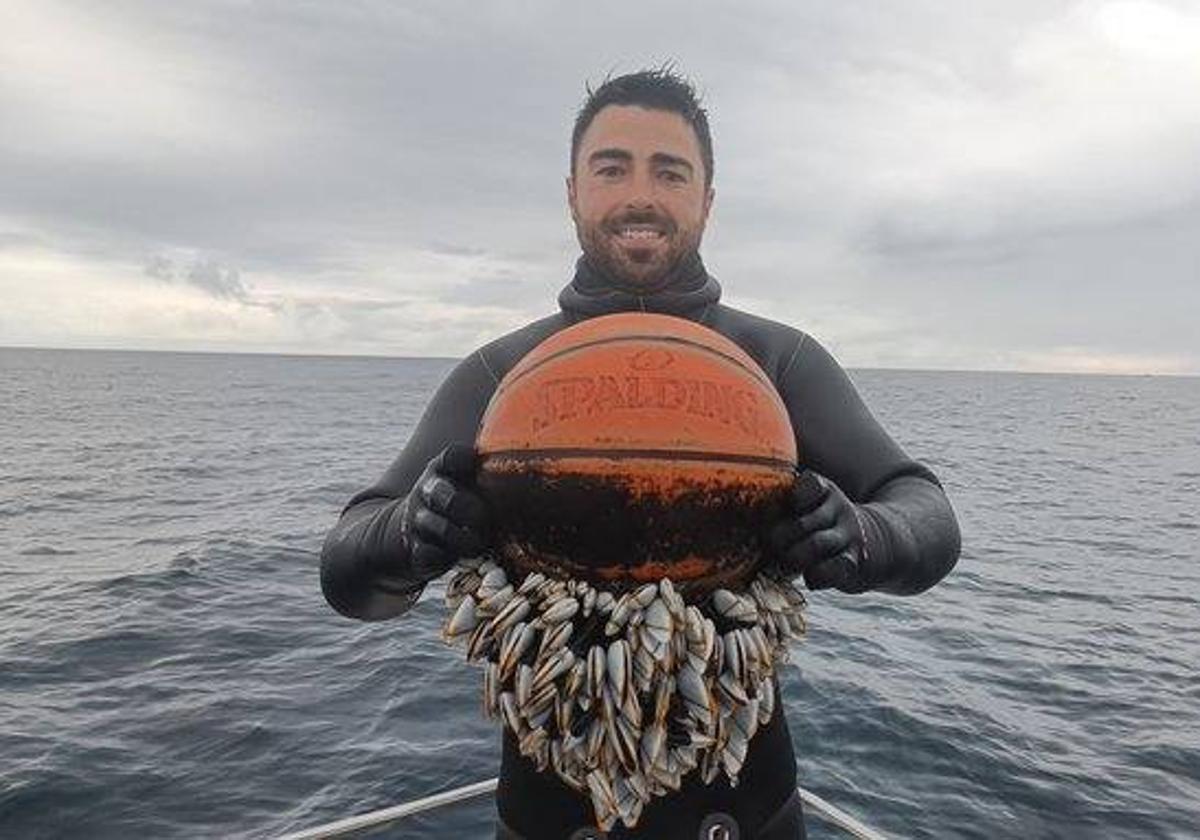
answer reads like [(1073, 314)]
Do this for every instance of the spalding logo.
[(587, 396)]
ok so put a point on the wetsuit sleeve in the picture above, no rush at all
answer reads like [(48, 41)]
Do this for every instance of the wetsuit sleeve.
[(911, 534), (364, 560)]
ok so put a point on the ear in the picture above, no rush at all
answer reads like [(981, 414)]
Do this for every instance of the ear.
[(571, 197), (708, 202)]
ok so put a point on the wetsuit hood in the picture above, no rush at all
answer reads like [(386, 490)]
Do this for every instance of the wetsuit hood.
[(686, 292)]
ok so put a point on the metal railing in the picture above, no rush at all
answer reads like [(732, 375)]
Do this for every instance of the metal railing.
[(374, 819)]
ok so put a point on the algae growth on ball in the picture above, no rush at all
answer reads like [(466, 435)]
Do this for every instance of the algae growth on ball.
[(634, 447)]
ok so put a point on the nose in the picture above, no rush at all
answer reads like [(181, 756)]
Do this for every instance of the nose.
[(639, 202), (641, 191)]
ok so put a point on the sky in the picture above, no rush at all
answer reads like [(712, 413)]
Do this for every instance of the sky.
[(1005, 184)]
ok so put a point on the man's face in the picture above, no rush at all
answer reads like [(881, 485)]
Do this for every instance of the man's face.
[(637, 194)]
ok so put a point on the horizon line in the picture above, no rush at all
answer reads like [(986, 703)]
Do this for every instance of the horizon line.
[(303, 355)]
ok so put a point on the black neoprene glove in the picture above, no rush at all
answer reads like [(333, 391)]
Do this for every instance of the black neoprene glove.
[(821, 537), (443, 518)]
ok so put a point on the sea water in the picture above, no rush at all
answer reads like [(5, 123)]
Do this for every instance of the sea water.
[(169, 668)]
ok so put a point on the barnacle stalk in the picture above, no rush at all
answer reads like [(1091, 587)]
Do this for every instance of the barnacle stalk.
[(624, 695)]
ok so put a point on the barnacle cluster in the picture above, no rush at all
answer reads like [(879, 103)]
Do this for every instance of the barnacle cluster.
[(622, 695)]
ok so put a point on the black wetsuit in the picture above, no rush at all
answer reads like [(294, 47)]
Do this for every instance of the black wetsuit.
[(912, 538)]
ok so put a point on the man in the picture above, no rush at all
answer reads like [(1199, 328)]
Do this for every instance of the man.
[(864, 515)]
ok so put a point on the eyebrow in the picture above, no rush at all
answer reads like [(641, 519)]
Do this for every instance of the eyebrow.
[(664, 159), (610, 154), (658, 158)]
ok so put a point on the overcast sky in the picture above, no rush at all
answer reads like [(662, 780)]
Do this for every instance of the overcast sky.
[(918, 183)]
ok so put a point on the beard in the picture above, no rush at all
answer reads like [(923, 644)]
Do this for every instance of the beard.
[(640, 268)]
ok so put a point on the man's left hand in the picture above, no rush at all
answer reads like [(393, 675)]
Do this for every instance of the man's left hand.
[(820, 537)]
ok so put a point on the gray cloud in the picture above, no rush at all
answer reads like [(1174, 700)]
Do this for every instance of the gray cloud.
[(205, 274), (967, 182), (13, 241), (216, 279), (456, 250)]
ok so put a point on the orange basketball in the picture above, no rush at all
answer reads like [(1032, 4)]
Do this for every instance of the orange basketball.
[(632, 447)]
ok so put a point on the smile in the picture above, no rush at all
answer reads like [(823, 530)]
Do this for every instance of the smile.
[(639, 233)]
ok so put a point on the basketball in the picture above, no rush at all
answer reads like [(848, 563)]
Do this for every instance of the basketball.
[(633, 447)]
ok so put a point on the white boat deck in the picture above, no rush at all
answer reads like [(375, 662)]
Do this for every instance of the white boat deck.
[(374, 819)]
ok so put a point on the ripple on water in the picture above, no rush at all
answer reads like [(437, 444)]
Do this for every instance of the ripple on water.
[(170, 670)]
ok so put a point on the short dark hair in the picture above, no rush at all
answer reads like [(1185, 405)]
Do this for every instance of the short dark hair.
[(662, 89)]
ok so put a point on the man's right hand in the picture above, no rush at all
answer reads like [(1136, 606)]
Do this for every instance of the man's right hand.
[(444, 519)]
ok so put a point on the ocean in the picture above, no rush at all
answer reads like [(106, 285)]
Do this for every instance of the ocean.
[(169, 668)]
